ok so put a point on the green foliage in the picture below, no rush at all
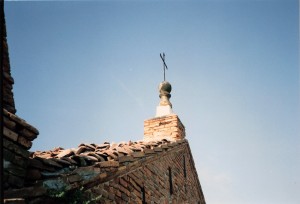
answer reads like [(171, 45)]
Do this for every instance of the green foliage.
[(78, 196)]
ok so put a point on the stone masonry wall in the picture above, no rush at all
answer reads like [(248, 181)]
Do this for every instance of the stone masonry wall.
[(166, 127)]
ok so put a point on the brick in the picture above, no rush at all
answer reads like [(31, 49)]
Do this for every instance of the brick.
[(33, 174), (15, 181), (124, 190), (62, 162), (138, 154), (15, 148), (25, 192), (51, 162), (24, 142), (124, 197), (106, 164), (104, 193), (164, 146), (157, 149), (16, 170), (33, 162), (14, 201), (9, 123), (134, 184), (69, 160), (111, 196), (137, 180), (123, 182), (149, 151), (65, 153), (20, 121), (74, 178), (126, 159), (102, 175), (8, 155), (10, 134)]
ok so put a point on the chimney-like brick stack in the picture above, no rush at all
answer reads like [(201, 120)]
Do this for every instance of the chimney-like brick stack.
[(166, 127)]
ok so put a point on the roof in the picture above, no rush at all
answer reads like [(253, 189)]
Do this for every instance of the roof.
[(88, 164), (90, 154)]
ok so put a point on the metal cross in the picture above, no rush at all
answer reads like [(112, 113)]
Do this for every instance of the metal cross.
[(164, 64)]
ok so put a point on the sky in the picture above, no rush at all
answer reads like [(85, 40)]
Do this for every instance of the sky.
[(88, 72)]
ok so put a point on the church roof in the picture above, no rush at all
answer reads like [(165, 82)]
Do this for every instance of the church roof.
[(89, 164)]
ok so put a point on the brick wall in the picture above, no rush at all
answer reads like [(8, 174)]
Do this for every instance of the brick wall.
[(169, 178), (17, 140), (150, 172), (165, 127)]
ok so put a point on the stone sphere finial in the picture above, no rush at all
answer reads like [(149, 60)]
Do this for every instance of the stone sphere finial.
[(165, 89)]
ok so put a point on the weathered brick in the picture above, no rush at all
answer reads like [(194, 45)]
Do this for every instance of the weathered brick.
[(10, 134), (15, 201), (9, 123), (74, 178), (124, 190), (25, 192), (138, 154), (106, 164), (15, 181), (15, 148), (125, 159), (123, 182), (24, 142), (157, 149), (33, 174), (103, 175)]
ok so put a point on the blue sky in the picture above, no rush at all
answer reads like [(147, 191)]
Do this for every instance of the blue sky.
[(89, 72)]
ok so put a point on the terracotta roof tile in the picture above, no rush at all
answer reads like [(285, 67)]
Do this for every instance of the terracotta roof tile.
[(106, 157)]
